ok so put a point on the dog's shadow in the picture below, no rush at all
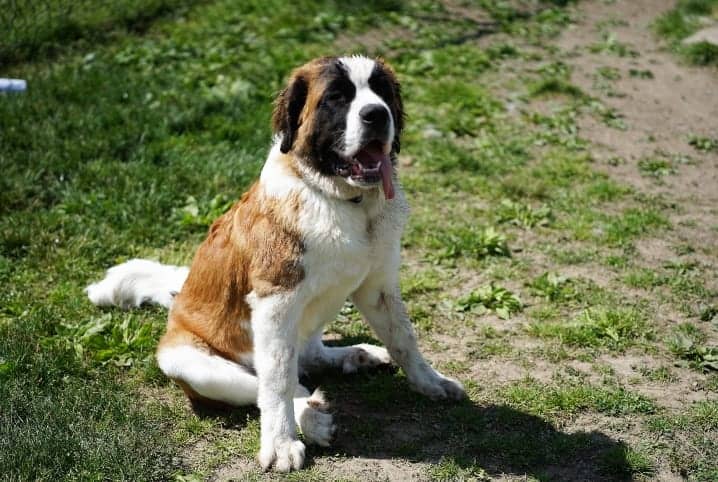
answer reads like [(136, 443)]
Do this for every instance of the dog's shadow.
[(378, 416)]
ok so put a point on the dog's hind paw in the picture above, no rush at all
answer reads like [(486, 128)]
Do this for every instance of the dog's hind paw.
[(316, 424), (365, 356)]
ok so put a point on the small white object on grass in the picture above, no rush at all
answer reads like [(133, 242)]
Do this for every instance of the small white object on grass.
[(13, 85), (709, 35)]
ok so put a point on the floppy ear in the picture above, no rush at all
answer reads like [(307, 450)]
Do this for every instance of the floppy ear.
[(287, 108), (397, 108), (396, 105)]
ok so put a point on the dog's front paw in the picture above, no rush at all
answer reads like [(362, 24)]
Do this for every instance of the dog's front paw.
[(365, 356), (285, 453), (436, 386)]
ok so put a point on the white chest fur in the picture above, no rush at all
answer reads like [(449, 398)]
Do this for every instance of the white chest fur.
[(339, 246), (344, 242)]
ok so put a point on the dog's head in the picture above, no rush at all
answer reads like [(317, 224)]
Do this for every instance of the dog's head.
[(343, 116)]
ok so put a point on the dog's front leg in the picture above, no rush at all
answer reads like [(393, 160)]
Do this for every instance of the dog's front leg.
[(274, 324), (381, 304)]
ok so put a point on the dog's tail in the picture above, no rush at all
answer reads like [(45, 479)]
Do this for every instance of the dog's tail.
[(136, 282)]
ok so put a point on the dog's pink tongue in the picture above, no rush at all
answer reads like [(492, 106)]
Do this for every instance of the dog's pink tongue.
[(375, 154), (386, 182)]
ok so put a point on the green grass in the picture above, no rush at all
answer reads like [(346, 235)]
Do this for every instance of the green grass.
[(690, 439), (470, 242), (597, 328), (661, 374), (555, 86), (611, 45), (682, 21), (449, 469), (573, 396), (656, 167), (145, 119), (45, 29), (524, 215)]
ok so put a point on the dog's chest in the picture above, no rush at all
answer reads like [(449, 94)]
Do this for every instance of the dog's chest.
[(340, 244)]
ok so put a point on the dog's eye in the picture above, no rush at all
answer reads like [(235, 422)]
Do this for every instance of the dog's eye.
[(340, 91), (334, 96)]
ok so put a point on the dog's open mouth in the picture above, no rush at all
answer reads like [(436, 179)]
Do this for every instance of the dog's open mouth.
[(369, 166)]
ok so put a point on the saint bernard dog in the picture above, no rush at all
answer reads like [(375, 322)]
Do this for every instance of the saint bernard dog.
[(320, 226)]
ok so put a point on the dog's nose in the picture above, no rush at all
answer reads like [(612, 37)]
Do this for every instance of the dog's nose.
[(375, 116)]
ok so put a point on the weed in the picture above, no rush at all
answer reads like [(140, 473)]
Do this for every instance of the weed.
[(641, 73), (656, 167), (611, 45), (490, 298), (688, 343), (201, 215), (105, 339), (471, 242), (604, 81), (523, 214), (608, 115), (553, 287), (703, 144), (609, 73)]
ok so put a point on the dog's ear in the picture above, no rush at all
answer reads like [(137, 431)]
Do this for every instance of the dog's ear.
[(396, 105), (287, 109), (397, 108)]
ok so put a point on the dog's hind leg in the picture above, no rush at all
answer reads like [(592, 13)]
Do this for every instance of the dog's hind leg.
[(350, 359), (209, 378)]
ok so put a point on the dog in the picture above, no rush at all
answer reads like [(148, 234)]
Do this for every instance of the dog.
[(321, 225)]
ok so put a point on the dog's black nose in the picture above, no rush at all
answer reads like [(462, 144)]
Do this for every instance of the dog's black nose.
[(375, 116)]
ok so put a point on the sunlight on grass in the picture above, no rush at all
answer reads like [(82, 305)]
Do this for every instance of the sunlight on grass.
[(613, 329)]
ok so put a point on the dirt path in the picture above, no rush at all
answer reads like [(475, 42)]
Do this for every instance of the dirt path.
[(661, 112)]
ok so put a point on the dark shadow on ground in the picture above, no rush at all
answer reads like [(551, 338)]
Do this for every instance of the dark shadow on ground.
[(378, 416)]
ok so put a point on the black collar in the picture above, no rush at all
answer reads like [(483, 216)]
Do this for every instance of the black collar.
[(357, 199)]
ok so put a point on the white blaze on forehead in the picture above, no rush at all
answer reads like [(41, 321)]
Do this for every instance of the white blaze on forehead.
[(359, 70)]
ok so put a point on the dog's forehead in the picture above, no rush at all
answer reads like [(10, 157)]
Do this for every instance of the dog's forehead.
[(359, 69)]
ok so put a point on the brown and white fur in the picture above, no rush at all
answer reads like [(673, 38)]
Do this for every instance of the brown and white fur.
[(320, 226)]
